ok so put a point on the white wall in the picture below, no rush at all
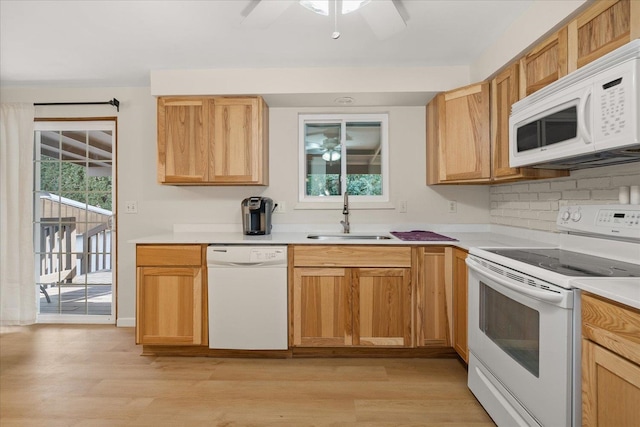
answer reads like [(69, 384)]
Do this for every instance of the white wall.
[(539, 20), (159, 207)]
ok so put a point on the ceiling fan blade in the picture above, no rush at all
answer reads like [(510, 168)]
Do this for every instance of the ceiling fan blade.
[(262, 13), (384, 18)]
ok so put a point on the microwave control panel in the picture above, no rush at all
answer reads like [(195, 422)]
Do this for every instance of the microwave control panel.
[(612, 103), (612, 106), (610, 220)]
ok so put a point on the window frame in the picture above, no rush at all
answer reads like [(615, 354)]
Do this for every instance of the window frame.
[(343, 119)]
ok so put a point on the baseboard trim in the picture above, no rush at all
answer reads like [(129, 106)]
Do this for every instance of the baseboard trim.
[(126, 322), (302, 352)]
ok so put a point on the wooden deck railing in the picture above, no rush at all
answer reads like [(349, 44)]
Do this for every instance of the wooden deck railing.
[(59, 254), (57, 245), (96, 255)]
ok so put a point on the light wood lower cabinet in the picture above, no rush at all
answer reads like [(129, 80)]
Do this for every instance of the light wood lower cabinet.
[(432, 323), (381, 306), (170, 295), (322, 307), (610, 363), (460, 291), (351, 296)]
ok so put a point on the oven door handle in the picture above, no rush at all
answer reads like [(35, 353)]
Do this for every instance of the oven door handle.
[(547, 296)]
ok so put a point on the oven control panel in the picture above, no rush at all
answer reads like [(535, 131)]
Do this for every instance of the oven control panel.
[(610, 220)]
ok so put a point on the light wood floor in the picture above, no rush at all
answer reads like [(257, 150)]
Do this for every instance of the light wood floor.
[(60, 375)]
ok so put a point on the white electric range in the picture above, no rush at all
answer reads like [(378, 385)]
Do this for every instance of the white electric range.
[(524, 313)]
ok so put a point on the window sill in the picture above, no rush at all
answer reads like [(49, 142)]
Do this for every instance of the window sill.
[(338, 205)]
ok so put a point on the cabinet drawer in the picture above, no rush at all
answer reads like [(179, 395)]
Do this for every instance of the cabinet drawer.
[(612, 325), (168, 255), (351, 256)]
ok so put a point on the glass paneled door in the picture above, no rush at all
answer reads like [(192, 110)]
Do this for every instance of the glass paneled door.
[(74, 229)]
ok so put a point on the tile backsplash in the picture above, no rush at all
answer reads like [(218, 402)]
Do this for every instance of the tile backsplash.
[(535, 204)]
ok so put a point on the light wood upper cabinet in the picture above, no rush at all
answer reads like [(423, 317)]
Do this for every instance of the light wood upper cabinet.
[(458, 139), (545, 63), (239, 153), (432, 298), (351, 296), (183, 148), (604, 26), (505, 91), (211, 140), (170, 295), (610, 363)]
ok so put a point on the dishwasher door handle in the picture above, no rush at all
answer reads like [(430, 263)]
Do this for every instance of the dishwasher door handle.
[(231, 264)]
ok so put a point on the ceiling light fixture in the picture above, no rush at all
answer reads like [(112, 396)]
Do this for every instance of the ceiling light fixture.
[(331, 156), (321, 7)]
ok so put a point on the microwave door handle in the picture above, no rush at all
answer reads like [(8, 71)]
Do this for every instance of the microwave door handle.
[(546, 296), (583, 113)]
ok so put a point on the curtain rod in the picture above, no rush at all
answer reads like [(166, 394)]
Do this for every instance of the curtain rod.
[(113, 102)]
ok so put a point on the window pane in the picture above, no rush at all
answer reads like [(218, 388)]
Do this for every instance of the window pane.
[(364, 159), (323, 159)]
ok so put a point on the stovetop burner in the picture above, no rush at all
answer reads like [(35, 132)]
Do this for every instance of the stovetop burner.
[(570, 263)]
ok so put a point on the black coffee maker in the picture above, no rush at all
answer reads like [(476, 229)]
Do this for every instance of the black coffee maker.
[(256, 215)]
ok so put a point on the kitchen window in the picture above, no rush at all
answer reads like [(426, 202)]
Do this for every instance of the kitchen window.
[(344, 153)]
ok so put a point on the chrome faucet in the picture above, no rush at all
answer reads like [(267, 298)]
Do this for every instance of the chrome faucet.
[(345, 211)]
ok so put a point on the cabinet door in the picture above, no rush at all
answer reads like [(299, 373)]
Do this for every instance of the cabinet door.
[(381, 306), (183, 147), (321, 307), (433, 141), (432, 324), (460, 283), (464, 132), (169, 306), (603, 27), (239, 151), (545, 64), (610, 388), (504, 92)]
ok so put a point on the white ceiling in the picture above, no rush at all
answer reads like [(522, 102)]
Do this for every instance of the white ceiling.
[(117, 43)]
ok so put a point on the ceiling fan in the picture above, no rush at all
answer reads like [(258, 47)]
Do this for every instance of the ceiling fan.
[(384, 17), (326, 141)]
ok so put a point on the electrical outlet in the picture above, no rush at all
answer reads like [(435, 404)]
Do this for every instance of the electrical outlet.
[(280, 208), (403, 206), (453, 206), (131, 207)]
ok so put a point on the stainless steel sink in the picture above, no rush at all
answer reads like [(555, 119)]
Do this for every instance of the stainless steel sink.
[(349, 236)]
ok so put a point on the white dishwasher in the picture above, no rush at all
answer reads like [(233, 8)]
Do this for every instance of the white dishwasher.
[(247, 297)]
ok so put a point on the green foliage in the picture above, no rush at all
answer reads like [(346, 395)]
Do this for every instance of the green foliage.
[(364, 185), (71, 181), (357, 185)]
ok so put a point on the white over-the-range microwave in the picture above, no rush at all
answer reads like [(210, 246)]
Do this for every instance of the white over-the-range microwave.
[(586, 119)]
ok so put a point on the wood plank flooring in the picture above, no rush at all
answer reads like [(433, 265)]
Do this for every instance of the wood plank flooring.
[(79, 375)]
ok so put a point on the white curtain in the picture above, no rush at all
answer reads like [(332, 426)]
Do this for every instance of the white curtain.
[(18, 297)]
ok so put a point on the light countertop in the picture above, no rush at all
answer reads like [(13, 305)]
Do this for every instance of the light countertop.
[(465, 240), (625, 291)]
